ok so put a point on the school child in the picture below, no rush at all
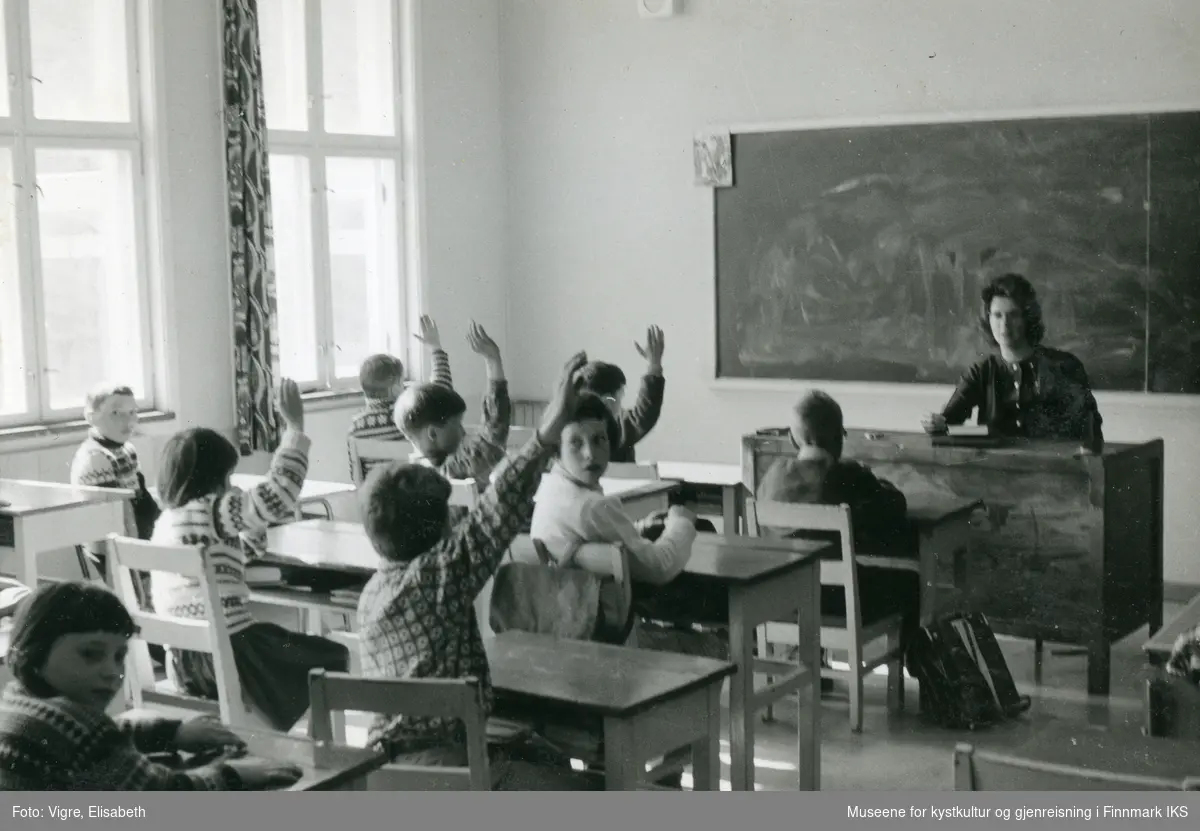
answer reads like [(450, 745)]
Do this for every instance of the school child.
[(203, 509), (608, 381), (382, 380), (416, 615), (67, 654)]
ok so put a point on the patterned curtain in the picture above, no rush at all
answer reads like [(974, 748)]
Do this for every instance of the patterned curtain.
[(251, 262)]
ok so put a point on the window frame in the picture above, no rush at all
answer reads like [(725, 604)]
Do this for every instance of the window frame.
[(316, 146), (24, 135)]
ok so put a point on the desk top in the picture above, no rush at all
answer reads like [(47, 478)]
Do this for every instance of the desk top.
[(1159, 647), (20, 497), (629, 489), (746, 560), (311, 490), (321, 543), (601, 679), (1124, 751), (325, 767), (702, 473)]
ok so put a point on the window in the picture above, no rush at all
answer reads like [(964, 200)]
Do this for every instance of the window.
[(331, 78), (74, 304)]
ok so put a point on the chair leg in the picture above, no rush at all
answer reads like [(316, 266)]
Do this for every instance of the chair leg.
[(856, 687), (1038, 650), (765, 652), (895, 674)]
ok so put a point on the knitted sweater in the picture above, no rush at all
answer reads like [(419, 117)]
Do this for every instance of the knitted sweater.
[(215, 522), (103, 463), (376, 420), (417, 618), (55, 744)]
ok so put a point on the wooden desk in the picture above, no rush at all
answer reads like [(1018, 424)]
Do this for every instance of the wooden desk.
[(322, 544), (313, 492), (650, 703), (1070, 550), (728, 478), (326, 767), (767, 581), (639, 497), (36, 517)]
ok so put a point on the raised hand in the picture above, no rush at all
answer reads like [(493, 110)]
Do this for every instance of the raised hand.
[(291, 405), (481, 342), (562, 404), (429, 334), (653, 350)]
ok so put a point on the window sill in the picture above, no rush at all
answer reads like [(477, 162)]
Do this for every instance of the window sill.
[(320, 400), (36, 436)]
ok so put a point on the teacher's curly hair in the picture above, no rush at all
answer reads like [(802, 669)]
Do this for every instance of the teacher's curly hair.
[(1020, 291)]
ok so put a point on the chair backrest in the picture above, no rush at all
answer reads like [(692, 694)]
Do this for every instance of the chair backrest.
[(787, 517), (211, 636), (631, 470), (984, 770), (377, 450), (460, 698)]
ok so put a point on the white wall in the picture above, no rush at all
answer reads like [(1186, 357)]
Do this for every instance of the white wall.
[(607, 234)]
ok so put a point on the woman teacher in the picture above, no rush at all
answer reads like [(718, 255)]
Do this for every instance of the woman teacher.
[(1027, 390)]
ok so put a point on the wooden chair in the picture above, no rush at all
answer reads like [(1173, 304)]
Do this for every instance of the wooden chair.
[(211, 636), (631, 470), (460, 699), (377, 450), (985, 770), (860, 628)]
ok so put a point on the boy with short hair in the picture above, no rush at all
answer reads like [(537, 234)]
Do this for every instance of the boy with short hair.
[(431, 417), (608, 381), (416, 615), (878, 510), (382, 379)]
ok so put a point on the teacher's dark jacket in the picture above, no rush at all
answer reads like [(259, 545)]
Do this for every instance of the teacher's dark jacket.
[(1047, 396)]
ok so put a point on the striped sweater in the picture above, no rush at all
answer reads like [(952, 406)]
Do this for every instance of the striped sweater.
[(376, 420), (55, 744), (214, 523)]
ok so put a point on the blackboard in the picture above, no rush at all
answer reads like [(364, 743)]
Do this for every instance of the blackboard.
[(858, 254)]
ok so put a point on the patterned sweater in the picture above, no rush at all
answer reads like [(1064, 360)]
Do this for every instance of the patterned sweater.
[(376, 420), (640, 420), (417, 619), (55, 744), (101, 463), (479, 453), (214, 522)]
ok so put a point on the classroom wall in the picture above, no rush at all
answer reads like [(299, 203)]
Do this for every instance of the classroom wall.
[(607, 234)]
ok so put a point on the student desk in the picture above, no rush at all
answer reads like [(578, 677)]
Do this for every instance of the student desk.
[(728, 478), (313, 492), (36, 517), (766, 581), (639, 497), (1070, 550), (649, 703), (325, 766)]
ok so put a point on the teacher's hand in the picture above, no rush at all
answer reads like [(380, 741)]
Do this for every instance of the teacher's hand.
[(934, 423)]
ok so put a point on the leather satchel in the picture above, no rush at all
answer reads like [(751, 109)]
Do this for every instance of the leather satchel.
[(559, 599)]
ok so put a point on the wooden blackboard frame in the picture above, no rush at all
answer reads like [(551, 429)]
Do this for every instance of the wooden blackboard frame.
[(918, 389)]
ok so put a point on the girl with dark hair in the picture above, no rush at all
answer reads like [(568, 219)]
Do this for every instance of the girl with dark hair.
[(67, 654), (202, 508), (1027, 390)]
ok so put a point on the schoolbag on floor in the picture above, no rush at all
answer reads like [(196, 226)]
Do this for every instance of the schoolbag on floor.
[(965, 682)]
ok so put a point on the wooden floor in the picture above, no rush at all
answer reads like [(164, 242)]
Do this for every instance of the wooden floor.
[(902, 753)]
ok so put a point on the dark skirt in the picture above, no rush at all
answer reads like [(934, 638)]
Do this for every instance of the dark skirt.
[(273, 664)]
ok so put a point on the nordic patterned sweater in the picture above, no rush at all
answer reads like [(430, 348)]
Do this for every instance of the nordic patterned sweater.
[(214, 523), (417, 618), (376, 420), (55, 744), (101, 463)]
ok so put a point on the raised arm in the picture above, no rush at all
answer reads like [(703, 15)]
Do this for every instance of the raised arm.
[(637, 422), (432, 339), (274, 500), (480, 452)]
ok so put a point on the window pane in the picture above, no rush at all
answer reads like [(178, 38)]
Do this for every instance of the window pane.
[(91, 296), (364, 253), (12, 345), (291, 208), (4, 70), (358, 60), (80, 60), (285, 72)]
